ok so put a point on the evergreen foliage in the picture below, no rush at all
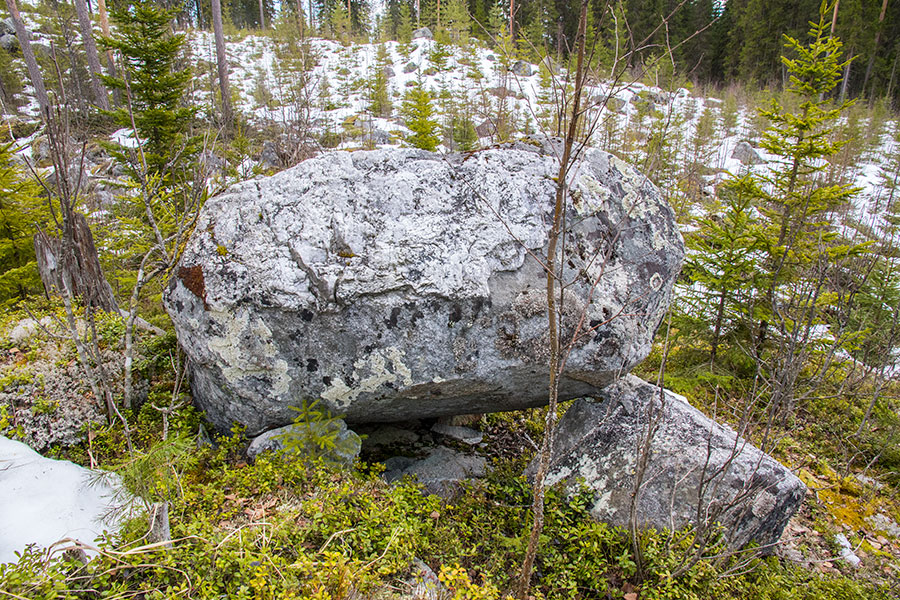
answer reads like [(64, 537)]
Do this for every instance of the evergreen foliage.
[(21, 212), (155, 81), (419, 114)]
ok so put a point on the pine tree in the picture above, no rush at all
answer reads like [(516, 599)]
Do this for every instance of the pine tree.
[(20, 211), (379, 94), (419, 114), (155, 84)]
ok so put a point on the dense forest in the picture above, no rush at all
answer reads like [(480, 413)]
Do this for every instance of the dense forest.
[(770, 129)]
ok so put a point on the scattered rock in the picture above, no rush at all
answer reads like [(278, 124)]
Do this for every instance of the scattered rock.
[(522, 68), (882, 522), (748, 492), (424, 583), (714, 102), (410, 67), (388, 71), (397, 284), (346, 443), (269, 157), (422, 33), (441, 472), (747, 154), (27, 329), (7, 27), (486, 128), (500, 92), (45, 501), (389, 435), (9, 42), (846, 550), (460, 434), (490, 58)]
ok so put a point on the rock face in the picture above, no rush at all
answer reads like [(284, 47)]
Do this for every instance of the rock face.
[(747, 154), (400, 284), (747, 491), (45, 501)]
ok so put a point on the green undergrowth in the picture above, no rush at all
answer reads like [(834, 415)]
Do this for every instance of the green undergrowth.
[(281, 527)]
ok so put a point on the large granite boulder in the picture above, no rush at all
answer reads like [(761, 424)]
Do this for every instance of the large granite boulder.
[(400, 284), (699, 472)]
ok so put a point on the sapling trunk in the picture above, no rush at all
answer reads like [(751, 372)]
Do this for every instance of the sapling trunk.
[(553, 268)]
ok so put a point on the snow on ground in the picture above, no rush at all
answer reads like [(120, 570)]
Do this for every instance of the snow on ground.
[(45, 501)]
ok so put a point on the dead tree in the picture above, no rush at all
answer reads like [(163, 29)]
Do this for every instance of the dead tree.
[(90, 50)]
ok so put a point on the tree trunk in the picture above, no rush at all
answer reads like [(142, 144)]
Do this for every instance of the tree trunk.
[(222, 63), (81, 268), (874, 48), (90, 50), (717, 331), (110, 61), (34, 72), (262, 15), (846, 82), (512, 21)]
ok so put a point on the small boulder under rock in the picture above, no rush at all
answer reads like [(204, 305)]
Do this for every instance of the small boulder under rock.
[(440, 472), (345, 449), (44, 501), (745, 490), (465, 435)]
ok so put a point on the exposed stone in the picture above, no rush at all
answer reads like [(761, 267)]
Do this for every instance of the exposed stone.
[(747, 154), (269, 157), (422, 33), (597, 442), (400, 284), (410, 67), (45, 501), (9, 42), (441, 472), (346, 443), (388, 71), (465, 435), (522, 68), (389, 435), (7, 27), (486, 128), (846, 550)]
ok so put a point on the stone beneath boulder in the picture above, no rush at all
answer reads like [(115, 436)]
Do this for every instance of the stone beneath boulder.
[(343, 449), (747, 154), (399, 284), (45, 501), (465, 435), (747, 491), (440, 473)]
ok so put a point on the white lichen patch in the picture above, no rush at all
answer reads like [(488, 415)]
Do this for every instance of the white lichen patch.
[(247, 350), (636, 205), (372, 372)]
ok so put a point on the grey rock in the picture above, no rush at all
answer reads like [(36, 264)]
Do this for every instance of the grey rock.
[(461, 434), (9, 42), (388, 71), (7, 27), (490, 58), (613, 103), (269, 157), (424, 583), (747, 154), (410, 67), (399, 284), (748, 492), (522, 68), (442, 471), (422, 33), (379, 137), (389, 435), (846, 550), (486, 128), (347, 443), (714, 102)]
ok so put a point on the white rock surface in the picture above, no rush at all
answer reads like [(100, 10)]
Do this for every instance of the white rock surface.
[(401, 284), (44, 501)]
